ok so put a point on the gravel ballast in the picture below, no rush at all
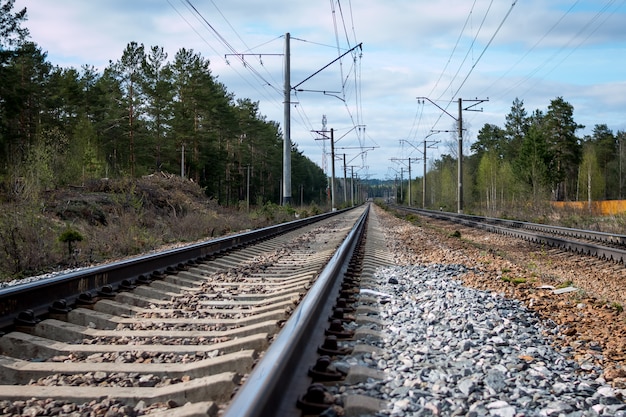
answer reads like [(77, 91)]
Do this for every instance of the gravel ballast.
[(451, 350)]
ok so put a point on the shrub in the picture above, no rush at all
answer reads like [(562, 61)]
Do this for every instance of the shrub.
[(26, 241), (70, 236)]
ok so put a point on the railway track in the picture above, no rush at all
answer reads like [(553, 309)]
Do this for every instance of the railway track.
[(605, 246), (182, 340)]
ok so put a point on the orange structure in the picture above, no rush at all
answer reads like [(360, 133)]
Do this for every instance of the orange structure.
[(597, 208)]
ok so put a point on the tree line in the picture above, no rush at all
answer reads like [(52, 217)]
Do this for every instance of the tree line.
[(143, 113), (534, 158)]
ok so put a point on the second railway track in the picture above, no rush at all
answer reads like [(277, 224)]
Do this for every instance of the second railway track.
[(190, 337), (605, 246)]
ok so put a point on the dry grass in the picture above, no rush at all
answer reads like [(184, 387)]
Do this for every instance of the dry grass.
[(116, 219)]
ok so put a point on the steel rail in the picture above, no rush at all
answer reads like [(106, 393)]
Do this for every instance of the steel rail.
[(604, 237), (106, 280), (273, 386), (509, 228)]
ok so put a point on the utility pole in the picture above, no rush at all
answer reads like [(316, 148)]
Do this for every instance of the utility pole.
[(332, 162), (459, 121), (433, 142), (287, 122), (425, 142), (332, 170), (345, 191), (407, 159), (352, 185), (460, 160), (352, 182)]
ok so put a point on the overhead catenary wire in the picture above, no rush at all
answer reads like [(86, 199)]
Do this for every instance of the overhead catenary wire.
[(456, 44), (566, 46), (224, 42), (506, 16), (269, 98), (355, 115), (531, 49), (495, 33)]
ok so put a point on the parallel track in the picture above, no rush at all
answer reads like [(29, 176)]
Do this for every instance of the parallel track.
[(605, 246), (189, 336)]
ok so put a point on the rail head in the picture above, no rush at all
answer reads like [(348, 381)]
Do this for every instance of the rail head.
[(267, 392)]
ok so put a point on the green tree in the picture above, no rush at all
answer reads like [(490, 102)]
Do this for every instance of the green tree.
[(490, 138), (532, 161), (487, 180), (564, 148), (606, 149), (11, 30), (128, 70), (159, 92), (24, 102), (516, 127), (64, 99), (445, 179), (111, 119), (198, 126), (12, 34), (590, 177), (309, 179), (620, 138)]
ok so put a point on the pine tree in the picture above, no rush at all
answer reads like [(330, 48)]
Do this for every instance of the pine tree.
[(128, 71), (563, 146), (516, 127), (159, 92)]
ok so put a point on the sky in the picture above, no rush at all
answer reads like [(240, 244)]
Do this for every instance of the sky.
[(394, 51)]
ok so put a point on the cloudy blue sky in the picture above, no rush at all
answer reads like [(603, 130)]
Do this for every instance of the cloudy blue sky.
[(536, 50)]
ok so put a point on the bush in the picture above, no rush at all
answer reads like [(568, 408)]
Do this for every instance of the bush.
[(27, 241), (70, 236)]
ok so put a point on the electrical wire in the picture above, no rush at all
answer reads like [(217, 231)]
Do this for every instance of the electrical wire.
[(224, 42), (565, 47), (349, 77), (508, 13), (545, 35), (469, 50), (248, 49), (456, 44), (245, 79)]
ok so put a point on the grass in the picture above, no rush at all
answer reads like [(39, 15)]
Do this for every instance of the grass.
[(513, 280), (116, 219)]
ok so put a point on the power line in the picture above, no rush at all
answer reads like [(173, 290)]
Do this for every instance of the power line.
[(268, 81), (486, 46), (224, 42), (535, 45), (470, 49), (453, 49), (212, 48), (508, 13), (571, 51)]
